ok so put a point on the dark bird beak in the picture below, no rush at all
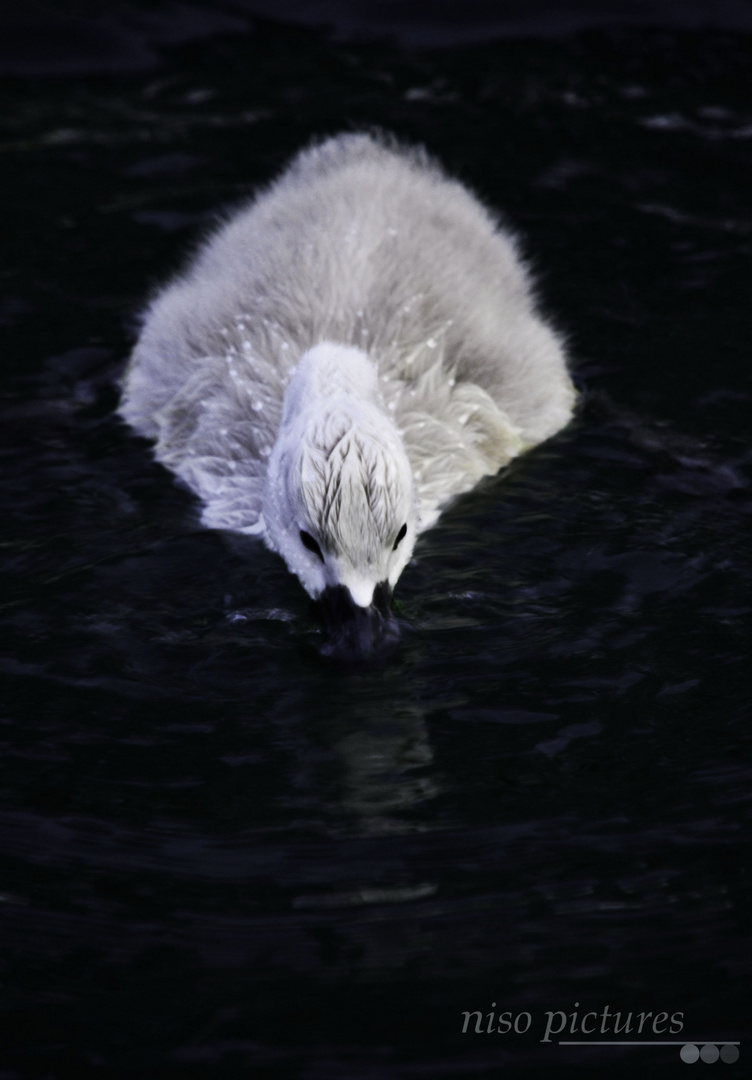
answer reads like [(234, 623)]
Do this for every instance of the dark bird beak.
[(355, 633)]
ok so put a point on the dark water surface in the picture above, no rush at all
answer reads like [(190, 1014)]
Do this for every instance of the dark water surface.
[(223, 856)]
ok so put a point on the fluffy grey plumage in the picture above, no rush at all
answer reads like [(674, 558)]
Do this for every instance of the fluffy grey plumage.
[(425, 363)]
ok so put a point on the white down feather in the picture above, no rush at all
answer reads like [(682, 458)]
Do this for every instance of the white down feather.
[(346, 353)]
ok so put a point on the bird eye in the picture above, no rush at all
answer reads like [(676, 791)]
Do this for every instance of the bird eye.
[(400, 536), (311, 544)]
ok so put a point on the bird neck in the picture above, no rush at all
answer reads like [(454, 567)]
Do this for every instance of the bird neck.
[(329, 371)]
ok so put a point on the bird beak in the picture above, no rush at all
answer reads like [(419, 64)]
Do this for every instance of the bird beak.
[(354, 632)]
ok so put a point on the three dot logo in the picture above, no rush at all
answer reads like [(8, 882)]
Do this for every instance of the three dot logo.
[(709, 1052)]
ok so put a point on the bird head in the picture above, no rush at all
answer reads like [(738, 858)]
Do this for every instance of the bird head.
[(340, 503)]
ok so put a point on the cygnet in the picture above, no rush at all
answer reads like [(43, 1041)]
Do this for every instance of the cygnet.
[(340, 358)]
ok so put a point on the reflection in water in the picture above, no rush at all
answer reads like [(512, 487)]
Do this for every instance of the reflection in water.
[(385, 768)]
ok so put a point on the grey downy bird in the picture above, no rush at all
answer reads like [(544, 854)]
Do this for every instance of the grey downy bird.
[(341, 357)]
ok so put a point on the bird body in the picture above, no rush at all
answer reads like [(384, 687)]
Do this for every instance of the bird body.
[(342, 356)]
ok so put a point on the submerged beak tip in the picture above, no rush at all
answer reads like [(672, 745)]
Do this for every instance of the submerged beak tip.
[(356, 631)]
